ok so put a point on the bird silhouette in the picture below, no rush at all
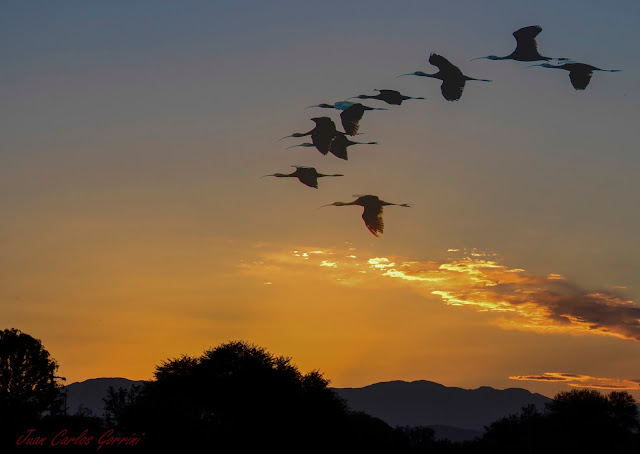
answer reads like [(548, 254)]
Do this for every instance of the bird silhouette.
[(351, 115), (338, 145), (453, 80), (526, 46), (579, 73), (392, 97), (321, 136), (307, 175), (372, 214)]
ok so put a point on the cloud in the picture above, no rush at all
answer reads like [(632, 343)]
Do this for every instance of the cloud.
[(478, 280), (525, 300), (581, 381)]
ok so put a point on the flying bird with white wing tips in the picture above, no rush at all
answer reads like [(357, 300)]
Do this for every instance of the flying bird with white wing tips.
[(372, 214), (453, 81), (579, 73), (306, 175), (526, 46)]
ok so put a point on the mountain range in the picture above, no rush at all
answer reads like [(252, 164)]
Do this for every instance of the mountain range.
[(454, 413)]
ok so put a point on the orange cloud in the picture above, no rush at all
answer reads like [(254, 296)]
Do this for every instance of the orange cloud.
[(581, 381), (475, 279)]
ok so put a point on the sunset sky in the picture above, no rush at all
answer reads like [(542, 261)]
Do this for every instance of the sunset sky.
[(136, 228)]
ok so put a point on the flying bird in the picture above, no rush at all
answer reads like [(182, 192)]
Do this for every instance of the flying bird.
[(526, 46), (453, 80), (392, 97), (579, 73), (372, 214), (338, 145), (351, 115), (321, 136), (307, 175)]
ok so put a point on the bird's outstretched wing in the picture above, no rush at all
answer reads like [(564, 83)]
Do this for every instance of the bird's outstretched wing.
[(307, 176), (580, 79), (452, 88), (526, 40), (444, 65), (350, 118), (339, 146), (392, 97), (372, 217)]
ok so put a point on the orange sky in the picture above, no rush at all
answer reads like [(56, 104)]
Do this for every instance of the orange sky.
[(136, 228)]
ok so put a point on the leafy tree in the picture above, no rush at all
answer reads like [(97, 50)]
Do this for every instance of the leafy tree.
[(234, 397), (28, 385)]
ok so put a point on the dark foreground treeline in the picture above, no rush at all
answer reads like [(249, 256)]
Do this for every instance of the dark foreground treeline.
[(239, 398)]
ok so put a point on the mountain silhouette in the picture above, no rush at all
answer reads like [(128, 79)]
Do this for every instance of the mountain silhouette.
[(425, 403), (453, 413), (88, 394)]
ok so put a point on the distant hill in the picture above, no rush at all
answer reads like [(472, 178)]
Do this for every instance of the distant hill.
[(454, 413), (425, 403), (89, 393)]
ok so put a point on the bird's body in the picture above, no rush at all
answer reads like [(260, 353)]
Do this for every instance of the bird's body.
[(453, 81), (351, 115), (526, 46), (322, 135), (372, 214), (392, 97), (579, 73), (306, 175)]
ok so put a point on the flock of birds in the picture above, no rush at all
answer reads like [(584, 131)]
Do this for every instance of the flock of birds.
[(326, 138)]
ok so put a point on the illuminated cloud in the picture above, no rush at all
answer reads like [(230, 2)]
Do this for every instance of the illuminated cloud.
[(581, 381), (547, 303), (328, 264)]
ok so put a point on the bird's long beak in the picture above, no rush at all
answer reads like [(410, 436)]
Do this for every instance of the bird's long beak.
[(315, 105), (478, 58), (270, 175), (408, 74)]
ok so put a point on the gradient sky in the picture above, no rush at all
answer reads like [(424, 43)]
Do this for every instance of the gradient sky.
[(136, 228)]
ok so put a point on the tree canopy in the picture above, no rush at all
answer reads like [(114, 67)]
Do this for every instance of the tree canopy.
[(28, 384)]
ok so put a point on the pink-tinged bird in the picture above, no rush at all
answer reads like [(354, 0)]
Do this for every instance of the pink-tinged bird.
[(526, 46), (453, 80), (579, 73), (306, 175), (372, 214)]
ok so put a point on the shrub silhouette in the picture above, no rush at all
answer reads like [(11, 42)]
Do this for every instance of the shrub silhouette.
[(240, 397)]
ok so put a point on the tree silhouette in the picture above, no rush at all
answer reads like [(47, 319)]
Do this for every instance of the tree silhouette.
[(586, 420), (235, 397), (28, 385), (581, 420)]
